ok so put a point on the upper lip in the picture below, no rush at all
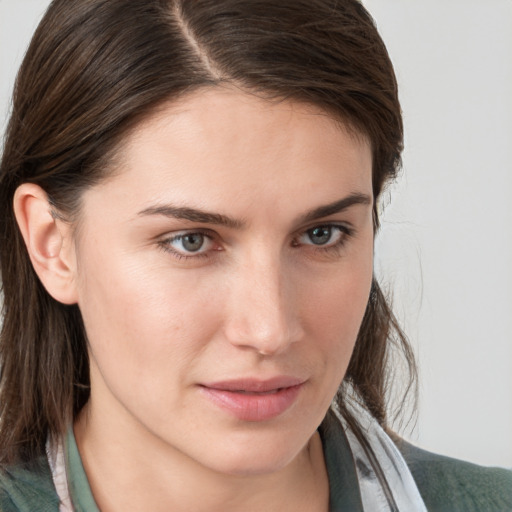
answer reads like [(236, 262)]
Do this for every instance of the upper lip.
[(255, 385)]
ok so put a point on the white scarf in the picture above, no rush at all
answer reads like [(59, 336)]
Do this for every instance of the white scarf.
[(55, 454), (385, 481)]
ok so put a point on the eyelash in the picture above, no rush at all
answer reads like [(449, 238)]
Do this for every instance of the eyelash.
[(344, 231), (165, 244), (334, 248)]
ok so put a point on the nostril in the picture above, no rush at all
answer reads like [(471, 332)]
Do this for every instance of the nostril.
[(267, 336)]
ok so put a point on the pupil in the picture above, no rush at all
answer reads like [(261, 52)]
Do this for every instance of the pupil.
[(320, 236), (193, 242)]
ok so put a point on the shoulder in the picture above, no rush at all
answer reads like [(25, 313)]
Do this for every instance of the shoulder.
[(27, 487), (452, 485)]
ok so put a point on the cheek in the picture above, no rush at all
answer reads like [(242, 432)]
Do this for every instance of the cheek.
[(142, 321), (333, 310)]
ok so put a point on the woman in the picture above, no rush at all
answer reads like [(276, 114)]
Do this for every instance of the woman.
[(189, 196)]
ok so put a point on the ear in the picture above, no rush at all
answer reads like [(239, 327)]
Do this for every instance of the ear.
[(49, 242)]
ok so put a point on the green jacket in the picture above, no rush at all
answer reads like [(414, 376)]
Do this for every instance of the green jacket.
[(445, 484)]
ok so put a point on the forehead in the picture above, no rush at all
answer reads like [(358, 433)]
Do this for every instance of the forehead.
[(218, 143)]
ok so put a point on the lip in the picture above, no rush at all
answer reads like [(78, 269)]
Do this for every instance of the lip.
[(254, 400)]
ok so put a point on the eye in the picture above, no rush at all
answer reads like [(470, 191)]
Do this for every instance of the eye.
[(189, 244), (325, 236)]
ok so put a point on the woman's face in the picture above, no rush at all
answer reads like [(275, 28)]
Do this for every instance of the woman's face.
[(222, 273)]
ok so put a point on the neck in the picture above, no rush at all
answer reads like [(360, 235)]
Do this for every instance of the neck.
[(130, 469)]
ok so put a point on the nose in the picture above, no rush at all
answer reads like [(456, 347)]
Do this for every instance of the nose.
[(262, 314)]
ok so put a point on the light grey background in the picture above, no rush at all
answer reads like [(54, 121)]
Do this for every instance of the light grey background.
[(445, 248), (446, 242)]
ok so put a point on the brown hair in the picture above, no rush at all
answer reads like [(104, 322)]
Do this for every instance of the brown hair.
[(93, 70)]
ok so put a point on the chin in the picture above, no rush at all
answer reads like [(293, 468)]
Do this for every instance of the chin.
[(255, 455)]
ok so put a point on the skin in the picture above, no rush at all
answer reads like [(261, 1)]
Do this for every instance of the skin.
[(260, 298)]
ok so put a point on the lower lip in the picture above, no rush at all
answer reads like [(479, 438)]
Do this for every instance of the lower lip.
[(253, 406)]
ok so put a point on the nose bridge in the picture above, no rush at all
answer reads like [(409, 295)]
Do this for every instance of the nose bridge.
[(263, 314)]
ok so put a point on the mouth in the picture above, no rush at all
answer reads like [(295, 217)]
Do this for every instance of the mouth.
[(254, 400), (245, 392)]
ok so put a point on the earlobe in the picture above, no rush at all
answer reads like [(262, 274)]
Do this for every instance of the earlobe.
[(48, 241)]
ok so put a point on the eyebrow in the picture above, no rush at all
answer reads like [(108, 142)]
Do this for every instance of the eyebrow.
[(204, 217), (193, 215), (336, 207)]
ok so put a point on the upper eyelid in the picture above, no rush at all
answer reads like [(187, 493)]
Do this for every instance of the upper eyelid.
[(346, 226), (173, 235), (214, 235)]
